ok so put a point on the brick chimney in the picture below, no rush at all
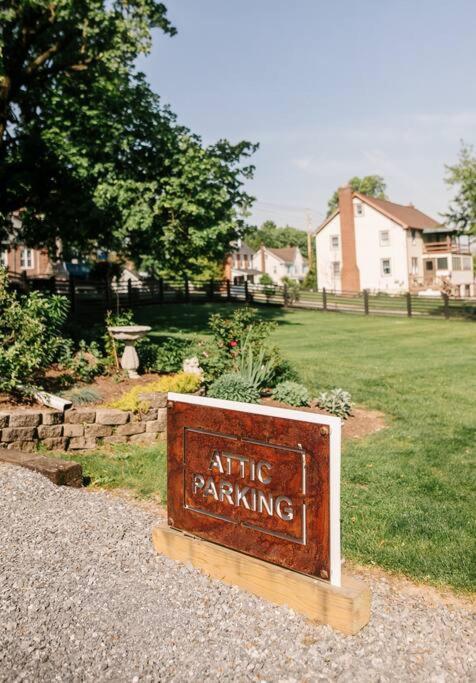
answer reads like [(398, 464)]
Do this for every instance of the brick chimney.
[(350, 276)]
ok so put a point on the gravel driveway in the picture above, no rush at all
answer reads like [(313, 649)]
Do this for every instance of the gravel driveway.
[(84, 597)]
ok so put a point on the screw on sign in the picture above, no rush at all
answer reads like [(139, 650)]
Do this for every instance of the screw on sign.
[(260, 480)]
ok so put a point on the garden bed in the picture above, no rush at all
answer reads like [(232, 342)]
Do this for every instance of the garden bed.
[(361, 423)]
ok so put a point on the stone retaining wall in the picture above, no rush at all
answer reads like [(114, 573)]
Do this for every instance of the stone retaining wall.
[(81, 429)]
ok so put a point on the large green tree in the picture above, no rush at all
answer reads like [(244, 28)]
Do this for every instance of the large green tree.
[(371, 185), (462, 176), (87, 151), (271, 235)]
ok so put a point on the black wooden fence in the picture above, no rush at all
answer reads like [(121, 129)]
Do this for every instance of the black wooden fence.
[(87, 296)]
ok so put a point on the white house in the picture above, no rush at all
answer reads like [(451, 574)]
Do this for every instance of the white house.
[(279, 263), (378, 245), (239, 266)]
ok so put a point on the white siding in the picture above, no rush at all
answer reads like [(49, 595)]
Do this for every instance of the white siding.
[(326, 255), (277, 269), (371, 252)]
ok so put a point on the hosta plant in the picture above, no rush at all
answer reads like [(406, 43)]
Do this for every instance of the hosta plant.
[(336, 401), (292, 393)]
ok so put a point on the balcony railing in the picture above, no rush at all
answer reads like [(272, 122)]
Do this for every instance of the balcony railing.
[(445, 247)]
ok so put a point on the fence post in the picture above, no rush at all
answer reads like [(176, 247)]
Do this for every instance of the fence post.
[(246, 292), (186, 289), (212, 287), (161, 290), (409, 304), (366, 301), (228, 290), (72, 294), (107, 293), (446, 305), (324, 299), (129, 293)]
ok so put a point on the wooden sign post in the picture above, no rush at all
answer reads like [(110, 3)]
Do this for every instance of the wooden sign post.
[(259, 490)]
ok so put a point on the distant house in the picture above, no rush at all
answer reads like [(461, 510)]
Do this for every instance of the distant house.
[(18, 258), (279, 263), (239, 267), (378, 245)]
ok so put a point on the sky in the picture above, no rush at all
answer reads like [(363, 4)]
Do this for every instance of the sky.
[(329, 89)]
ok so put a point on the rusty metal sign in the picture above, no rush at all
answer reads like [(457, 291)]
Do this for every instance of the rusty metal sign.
[(260, 480)]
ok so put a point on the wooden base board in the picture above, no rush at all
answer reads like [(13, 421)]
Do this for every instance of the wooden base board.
[(346, 608)]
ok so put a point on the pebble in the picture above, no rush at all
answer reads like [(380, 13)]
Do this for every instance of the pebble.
[(85, 597)]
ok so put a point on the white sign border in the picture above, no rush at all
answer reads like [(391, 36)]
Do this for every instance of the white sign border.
[(334, 424)]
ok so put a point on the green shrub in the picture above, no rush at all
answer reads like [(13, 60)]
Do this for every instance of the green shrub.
[(181, 383), (81, 396), (234, 387), (166, 356), (86, 363), (336, 401), (292, 393), (30, 337), (269, 286), (293, 289), (243, 323), (213, 359)]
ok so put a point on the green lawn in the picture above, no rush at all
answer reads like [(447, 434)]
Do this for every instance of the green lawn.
[(407, 492)]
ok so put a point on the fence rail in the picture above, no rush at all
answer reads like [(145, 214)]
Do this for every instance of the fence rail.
[(88, 295)]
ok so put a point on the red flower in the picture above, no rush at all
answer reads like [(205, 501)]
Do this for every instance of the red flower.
[(233, 343)]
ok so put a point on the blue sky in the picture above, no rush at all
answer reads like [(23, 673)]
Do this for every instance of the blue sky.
[(329, 90)]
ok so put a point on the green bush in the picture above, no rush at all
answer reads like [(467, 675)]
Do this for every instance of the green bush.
[(234, 387), (30, 337), (336, 401), (243, 323), (86, 363), (81, 396), (292, 393), (293, 289), (166, 356)]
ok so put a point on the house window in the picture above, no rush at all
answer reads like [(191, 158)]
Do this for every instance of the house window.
[(386, 266), (26, 259), (4, 258), (413, 236), (359, 209), (334, 241), (245, 261), (414, 265), (336, 268), (429, 265), (467, 263), (238, 260), (456, 262), (442, 263), (384, 238)]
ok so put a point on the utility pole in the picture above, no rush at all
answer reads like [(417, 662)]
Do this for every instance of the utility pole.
[(309, 235)]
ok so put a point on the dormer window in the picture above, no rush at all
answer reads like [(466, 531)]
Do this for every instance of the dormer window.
[(359, 209)]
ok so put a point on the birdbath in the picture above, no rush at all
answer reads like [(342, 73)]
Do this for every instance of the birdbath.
[(129, 334)]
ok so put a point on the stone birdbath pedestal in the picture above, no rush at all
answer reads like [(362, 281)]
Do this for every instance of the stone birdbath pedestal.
[(129, 334)]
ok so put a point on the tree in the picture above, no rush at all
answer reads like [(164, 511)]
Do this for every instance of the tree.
[(271, 235), (462, 176), (371, 185), (90, 155)]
